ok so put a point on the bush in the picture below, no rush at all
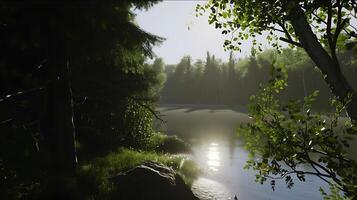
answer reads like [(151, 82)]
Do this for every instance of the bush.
[(168, 144)]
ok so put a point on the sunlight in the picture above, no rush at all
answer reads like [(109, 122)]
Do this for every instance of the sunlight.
[(213, 157), (150, 100)]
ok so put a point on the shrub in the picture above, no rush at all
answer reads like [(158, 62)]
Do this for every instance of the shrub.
[(168, 144)]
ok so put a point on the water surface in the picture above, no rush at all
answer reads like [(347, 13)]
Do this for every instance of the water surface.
[(222, 157)]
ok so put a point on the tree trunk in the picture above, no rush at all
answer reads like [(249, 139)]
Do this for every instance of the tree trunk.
[(330, 68), (58, 127)]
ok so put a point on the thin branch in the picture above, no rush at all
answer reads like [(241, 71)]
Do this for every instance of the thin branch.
[(339, 25), (318, 171), (290, 42), (297, 172), (353, 27), (315, 15), (327, 173), (328, 28), (344, 29), (280, 177), (6, 121), (331, 173), (325, 154), (282, 25), (276, 29), (339, 187), (16, 94), (289, 39)]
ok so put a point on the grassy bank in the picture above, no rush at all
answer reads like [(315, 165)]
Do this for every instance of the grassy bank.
[(93, 176), (162, 143)]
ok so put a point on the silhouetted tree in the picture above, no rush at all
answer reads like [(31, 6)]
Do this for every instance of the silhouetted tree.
[(61, 56)]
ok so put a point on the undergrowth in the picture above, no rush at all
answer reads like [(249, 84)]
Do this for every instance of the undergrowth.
[(93, 177)]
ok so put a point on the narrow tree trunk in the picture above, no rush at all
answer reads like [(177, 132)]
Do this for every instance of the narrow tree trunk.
[(58, 122), (330, 68)]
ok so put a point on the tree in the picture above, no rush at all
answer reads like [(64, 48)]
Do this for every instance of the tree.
[(331, 22), (287, 137), (236, 80), (159, 66), (231, 78), (59, 47), (211, 78)]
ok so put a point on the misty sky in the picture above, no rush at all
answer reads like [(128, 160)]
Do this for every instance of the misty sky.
[(187, 34), (171, 19)]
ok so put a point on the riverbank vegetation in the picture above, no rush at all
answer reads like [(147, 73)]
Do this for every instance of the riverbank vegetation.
[(168, 144), (78, 93), (75, 86), (283, 138), (94, 176), (291, 134)]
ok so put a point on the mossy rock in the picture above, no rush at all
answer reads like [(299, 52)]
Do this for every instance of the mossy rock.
[(151, 181)]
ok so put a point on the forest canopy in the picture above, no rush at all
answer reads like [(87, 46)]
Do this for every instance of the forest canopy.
[(212, 81)]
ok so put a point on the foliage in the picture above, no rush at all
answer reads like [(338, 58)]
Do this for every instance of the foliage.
[(159, 66), (113, 88), (335, 193), (234, 81), (167, 144), (285, 138), (94, 176), (249, 19), (321, 28)]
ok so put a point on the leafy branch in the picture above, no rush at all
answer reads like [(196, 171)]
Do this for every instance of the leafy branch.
[(287, 137)]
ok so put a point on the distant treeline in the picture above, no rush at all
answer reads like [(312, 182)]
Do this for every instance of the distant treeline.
[(232, 83)]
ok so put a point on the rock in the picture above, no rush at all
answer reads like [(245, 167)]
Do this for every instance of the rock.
[(151, 181)]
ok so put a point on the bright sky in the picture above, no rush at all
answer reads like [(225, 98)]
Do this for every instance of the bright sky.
[(171, 19), (187, 34)]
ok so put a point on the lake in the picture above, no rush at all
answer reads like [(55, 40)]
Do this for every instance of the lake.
[(216, 150)]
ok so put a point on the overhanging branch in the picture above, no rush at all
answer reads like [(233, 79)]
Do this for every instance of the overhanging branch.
[(289, 39), (290, 42)]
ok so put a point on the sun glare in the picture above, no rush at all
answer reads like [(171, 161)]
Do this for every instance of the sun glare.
[(213, 157)]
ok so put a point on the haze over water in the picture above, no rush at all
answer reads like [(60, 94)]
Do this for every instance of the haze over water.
[(222, 157)]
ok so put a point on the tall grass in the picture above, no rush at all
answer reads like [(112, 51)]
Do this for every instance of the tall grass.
[(168, 144), (93, 177)]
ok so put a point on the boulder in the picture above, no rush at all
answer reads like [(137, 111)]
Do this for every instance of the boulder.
[(151, 181)]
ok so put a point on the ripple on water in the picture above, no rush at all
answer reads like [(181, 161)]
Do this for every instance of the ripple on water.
[(207, 189)]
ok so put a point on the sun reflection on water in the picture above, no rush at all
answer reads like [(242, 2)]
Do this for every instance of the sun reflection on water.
[(213, 157)]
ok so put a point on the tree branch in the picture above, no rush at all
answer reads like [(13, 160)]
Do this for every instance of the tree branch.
[(325, 154), (328, 27), (16, 94), (344, 29), (290, 42), (289, 39), (153, 112), (276, 29), (339, 25)]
